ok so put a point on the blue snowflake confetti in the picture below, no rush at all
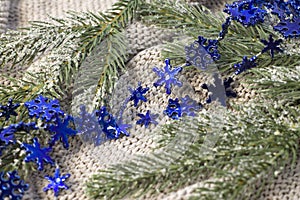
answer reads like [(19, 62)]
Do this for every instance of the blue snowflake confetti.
[(38, 154), (62, 131), (271, 45), (173, 109), (289, 28), (122, 128), (245, 65), (245, 12), (87, 124), (7, 135), (202, 52), (225, 27), (110, 126), (189, 106), (44, 108), (9, 109), (138, 94), (227, 84), (280, 8), (167, 76), (12, 186), (26, 127), (147, 119), (56, 182)]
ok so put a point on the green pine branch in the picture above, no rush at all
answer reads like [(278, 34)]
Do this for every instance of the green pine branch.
[(57, 49), (250, 143)]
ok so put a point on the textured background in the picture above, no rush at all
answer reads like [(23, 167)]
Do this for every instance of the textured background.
[(82, 159)]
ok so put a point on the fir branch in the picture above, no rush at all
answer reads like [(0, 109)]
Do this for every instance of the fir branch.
[(279, 82), (251, 139)]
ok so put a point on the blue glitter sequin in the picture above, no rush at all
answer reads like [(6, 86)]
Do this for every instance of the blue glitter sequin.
[(167, 76), (8, 109), (38, 154), (12, 186), (56, 182)]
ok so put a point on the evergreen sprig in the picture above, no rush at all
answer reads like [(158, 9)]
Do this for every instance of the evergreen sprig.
[(250, 145)]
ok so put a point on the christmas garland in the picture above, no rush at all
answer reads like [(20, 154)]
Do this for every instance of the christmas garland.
[(35, 125)]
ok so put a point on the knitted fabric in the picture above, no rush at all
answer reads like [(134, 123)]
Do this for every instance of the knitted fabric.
[(83, 159)]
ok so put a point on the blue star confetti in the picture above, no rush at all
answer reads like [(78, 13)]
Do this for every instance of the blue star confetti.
[(147, 119), (245, 65), (26, 127), (61, 131), (38, 154), (225, 27), (9, 109), (57, 182), (12, 186), (202, 52), (7, 135), (245, 12), (138, 94), (289, 28), (173, 109), (271, 45), (43, 108), (109, 124), (87, 124), (167, 76)]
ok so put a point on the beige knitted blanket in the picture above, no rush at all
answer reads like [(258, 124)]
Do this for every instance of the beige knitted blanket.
[(82, 159)]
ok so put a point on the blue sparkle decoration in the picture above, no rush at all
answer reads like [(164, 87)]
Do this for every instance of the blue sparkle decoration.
[(147, 119), (38, 154), (271, 45), (167, 76), (138, 94), (110, 126), (7, 135), (245, 65), (189, 106), (225, 27), (26, 127), (12, 186), (289, 28), (61, 131), (202, 52), (87, 124), (173, 109), (245, 12), (9, 109), (44, 108), (56, 182)]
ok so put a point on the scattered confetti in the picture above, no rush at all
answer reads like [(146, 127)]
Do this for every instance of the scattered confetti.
[(167, 76), (138, 94), (271, 45), (35, 153), (245, 64), (62, 131), (245, 12), (9, 109), (44, 108), (56, 182), (147, 119), (289, 28), (12, 187)]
